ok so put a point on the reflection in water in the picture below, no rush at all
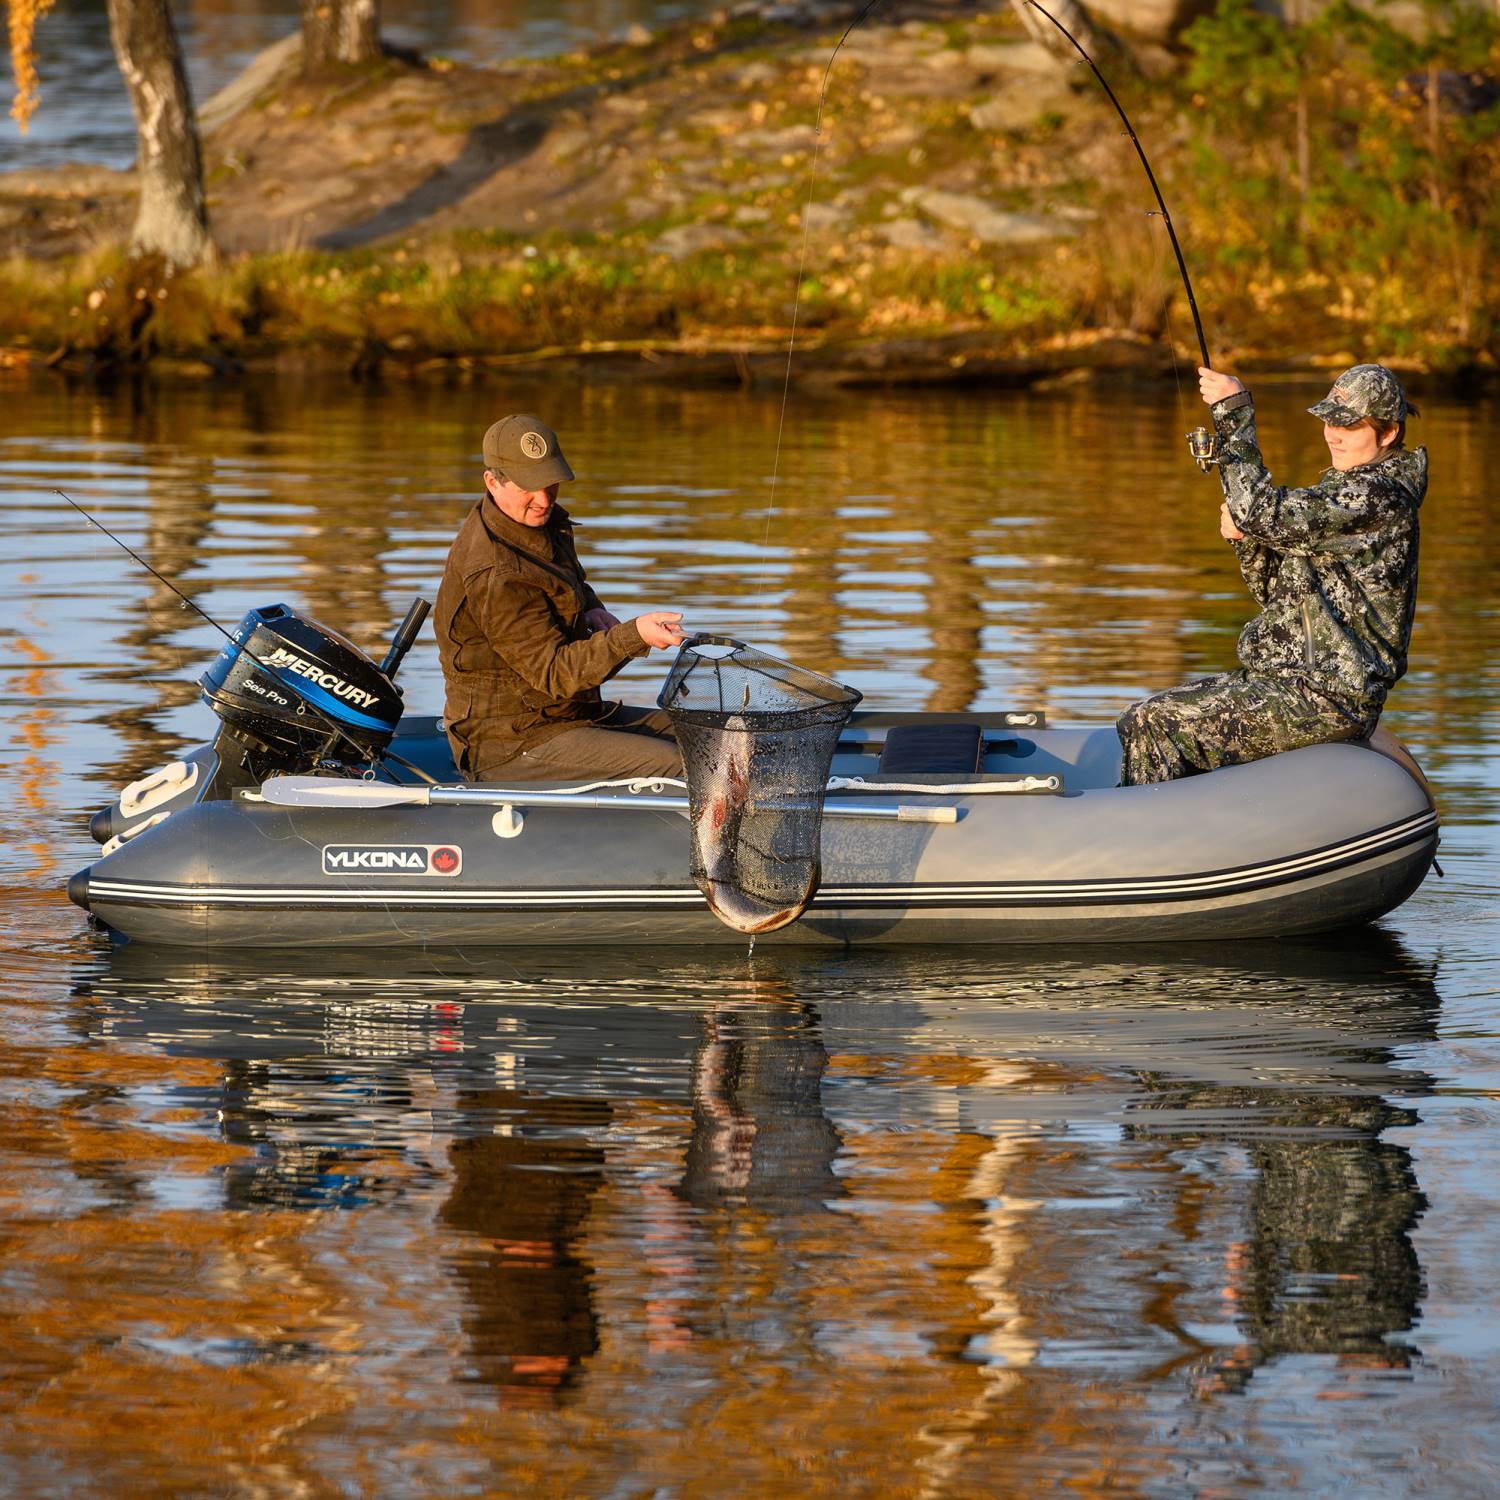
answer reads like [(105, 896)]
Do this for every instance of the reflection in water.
[(1032, 1173), (1326, 1264), (857, 1224), (523, 1191), (760, 1136)]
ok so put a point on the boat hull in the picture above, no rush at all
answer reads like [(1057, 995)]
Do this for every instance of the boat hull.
[(1319, 839)]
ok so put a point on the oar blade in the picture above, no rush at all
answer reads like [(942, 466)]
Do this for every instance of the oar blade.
[(334, 791)]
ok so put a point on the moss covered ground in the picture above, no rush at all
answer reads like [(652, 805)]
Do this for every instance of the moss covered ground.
[(968, 207)]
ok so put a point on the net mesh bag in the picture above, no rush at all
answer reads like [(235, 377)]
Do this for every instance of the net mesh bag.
[(757, 737)]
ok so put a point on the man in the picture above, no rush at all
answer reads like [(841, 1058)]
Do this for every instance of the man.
[(526, 643), (1334, 568)]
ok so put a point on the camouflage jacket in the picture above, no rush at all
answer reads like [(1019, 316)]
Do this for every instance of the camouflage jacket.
[(519, 660), (1334, 566)]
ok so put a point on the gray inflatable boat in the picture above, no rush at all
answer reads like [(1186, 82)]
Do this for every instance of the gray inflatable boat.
[(917, 847)]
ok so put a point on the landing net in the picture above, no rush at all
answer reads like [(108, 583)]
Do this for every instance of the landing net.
[(757, 737)]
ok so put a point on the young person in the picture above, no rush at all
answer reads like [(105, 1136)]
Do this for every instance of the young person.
[(1334, 569)]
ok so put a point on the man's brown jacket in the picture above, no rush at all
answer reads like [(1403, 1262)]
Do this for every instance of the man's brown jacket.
[(519, 662)]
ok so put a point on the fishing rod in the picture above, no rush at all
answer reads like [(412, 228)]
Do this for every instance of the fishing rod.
[(362, 751), (1201, 441)]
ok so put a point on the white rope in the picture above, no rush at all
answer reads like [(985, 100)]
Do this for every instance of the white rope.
[(956, 789), (635, 784), (639, 784)]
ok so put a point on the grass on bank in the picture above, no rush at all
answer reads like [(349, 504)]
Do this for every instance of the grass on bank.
[(1335, 187)]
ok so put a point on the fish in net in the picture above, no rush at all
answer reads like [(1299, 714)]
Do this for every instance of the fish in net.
[(757, 736)]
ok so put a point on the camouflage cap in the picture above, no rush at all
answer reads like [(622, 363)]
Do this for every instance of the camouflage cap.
[(1364, 391), (524, 449)]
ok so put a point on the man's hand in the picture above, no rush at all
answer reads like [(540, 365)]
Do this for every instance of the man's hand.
[(600, 619), (659, 628), (1227, 529), (1213, 386)]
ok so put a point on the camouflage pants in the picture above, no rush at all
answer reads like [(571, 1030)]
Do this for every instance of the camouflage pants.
[(1227, 720)]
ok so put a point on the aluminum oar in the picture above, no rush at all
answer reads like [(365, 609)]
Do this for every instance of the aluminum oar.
[(332, 792)]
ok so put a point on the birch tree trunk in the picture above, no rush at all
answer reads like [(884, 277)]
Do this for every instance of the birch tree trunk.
[(172, 220), (1070, 13), (339, 31)]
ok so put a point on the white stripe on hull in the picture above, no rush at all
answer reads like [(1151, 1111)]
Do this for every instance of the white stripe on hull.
[(910, 897)]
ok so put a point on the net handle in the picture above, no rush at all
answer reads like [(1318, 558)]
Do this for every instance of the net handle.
[(708, 638)]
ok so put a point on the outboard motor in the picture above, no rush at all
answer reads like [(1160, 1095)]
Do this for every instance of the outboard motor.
[(291, 694), (295, 691)]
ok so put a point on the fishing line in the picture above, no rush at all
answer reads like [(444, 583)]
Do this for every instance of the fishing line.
[(812, 180), (1140, 151), (167, 583), (1202, 442), (369, 757), (1166, 312)]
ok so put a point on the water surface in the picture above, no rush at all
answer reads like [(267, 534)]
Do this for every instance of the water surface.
[(1130, 1221)]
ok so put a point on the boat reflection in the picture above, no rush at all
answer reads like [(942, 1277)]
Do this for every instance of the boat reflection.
[(1159, 1162)]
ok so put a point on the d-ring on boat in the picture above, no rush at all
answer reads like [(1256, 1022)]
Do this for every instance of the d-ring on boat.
[(983, 827)]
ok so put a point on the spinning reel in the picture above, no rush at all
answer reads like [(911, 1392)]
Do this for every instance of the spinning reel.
[(1203, 444)]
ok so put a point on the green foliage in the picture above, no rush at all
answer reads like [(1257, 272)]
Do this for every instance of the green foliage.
[(1327, 182)]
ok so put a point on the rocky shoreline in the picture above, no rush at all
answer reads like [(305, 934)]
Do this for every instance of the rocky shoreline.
[(967, 212)]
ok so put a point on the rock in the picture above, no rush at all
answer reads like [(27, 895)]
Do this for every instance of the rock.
[(821, 216), (264, 70), (564, 142), (1018, 107), (692, 239), (637, 35), (910, 234), (1414, 17), (790, 138), (718, 118), (755, 75), (879, 46), (1015, 57), (750, 213), (984, 222), (1156, 20)]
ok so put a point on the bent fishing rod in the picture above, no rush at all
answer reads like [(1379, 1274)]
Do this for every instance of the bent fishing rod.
[(363, 753), (1201, 441)]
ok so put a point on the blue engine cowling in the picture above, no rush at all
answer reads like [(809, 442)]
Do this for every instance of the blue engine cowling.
[(300, 689)]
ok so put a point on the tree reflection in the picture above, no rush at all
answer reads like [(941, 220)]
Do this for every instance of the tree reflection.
[(1041, 1198)]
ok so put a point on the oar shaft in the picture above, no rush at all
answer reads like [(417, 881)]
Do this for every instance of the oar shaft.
[(332, 793), (649, 802)]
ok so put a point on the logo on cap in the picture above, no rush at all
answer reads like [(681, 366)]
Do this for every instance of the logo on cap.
[(533, 445), (1340, 394)]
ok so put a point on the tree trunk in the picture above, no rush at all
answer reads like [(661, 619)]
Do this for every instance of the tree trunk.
[(172, 221), (1068, 13), (339, 32)]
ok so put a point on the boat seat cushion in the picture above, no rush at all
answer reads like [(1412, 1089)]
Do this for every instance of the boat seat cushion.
[(932, 750)]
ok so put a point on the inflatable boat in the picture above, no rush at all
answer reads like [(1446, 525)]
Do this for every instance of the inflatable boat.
[(983, 827)]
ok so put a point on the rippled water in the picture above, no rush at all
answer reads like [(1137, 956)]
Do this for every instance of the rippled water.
[(1132, 1221)]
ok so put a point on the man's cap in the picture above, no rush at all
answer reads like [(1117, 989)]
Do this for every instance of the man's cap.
[(1364, 391), (524, 449)]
